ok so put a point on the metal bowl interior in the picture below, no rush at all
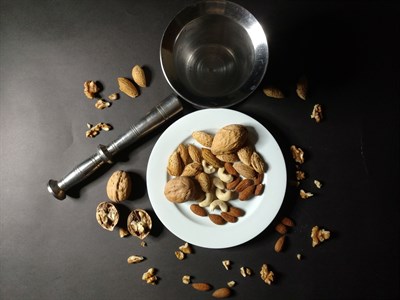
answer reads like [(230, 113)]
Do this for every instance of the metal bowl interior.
[(214, 54)]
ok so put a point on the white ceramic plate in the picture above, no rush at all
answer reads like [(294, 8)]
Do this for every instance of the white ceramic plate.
[(200, 231)]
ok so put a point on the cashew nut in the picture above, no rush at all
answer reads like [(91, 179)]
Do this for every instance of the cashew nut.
[(224, 195), (221, 204), (225, 177), (217, 182), (207, 168), (207, 201)]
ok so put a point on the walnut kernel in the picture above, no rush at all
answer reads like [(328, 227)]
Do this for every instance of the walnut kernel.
[(319, 235)]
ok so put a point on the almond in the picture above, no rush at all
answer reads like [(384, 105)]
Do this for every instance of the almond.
[(204, 181), (200, 211), (201, 286), (259, 189), (247, 193), (228, 217), (244, 155), (273, 92), (184, 154), (192, 169), (244, 184), (229, 139), (233, 184), (287, 222), (235, 211), (222, 293), (210, 158), (245, 170), (259, 179), (228, 157), (217, 219), (280, 228), (230, 169), (138, 76), (257, 163), (203, 138), (302, 88), (127, 87), (194, 153), (279, 244), (175, 164)]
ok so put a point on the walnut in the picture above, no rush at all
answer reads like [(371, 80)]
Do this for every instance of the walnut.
[(300, 175), (95, 130), (107, 215), (319, 235), (180, 189), (245, 271), (266, 275), (101, 104), (186, 248), (186, 279), (150, 276), (113, 96), (139, 223), (134, 259), (227, 264), (119, 186), (180, 255), (90, 89), (298, 154), (317, 113), (317, 183)]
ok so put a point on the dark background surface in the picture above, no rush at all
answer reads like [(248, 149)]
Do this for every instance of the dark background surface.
[(52, 249)]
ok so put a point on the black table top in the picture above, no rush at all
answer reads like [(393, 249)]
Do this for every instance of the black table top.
[(52, 249)]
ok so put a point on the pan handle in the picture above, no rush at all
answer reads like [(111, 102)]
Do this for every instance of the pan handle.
[(169, 107)]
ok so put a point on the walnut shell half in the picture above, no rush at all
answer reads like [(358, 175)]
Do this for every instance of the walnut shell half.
[(139, 223), (107, 215)]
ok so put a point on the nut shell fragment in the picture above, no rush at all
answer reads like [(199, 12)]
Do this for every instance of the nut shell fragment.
[(139, 223)]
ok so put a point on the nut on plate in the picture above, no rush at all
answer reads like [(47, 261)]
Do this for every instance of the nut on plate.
[(139, 223), (119, 186), (107, 215), (179, 189), (229, 139)]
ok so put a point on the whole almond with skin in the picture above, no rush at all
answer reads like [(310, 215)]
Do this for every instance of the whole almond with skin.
[(175, 164), (138, 76), (228, 217), (247, 193), (280, 228), (127, 87), (259, 179), (245, 170), (201, 286), (230, 169), (211, 158), (280, 243), (233, 184), (235, 211), (205, 139), (217, 219), (194, 153), (259, 189), (244, 184), (198, 210), (287, 222), (184, 154), (222, 293), (228, 157), (257, 163), (229, 139)]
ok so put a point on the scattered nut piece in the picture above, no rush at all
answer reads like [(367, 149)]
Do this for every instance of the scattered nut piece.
[(150, 276), (300, 175), (107, 215), (186, 248), (298, 154), (287, 222), (227, 264), (317, 113), (180, 255), (95, 130), (273, 92), (266, 275), (134, 259), (231, 283), (302, 88), (281, 228), (186, 279), (123, 232), (90, 89), (319, 235), (299, 256), (143, 244), (318, 184), (305, 195), (113, 96), (101, 104), (245, 271)]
